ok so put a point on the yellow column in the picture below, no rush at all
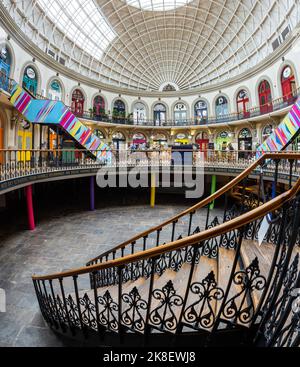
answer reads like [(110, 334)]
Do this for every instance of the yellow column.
[(153, 190)]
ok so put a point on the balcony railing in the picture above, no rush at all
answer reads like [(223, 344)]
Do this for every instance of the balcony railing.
[(273, 106)]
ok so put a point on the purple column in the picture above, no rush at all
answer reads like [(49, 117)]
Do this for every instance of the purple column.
[(92, 193), (30, 212)]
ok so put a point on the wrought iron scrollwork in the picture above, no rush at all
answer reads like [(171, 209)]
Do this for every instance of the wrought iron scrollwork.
[(108, 315), (163, 316), (210, 247), (134, 316), (88, 312), (202, 312), (240, 307)]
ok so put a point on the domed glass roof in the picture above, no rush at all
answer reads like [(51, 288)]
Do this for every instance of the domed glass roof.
[(146, 44)]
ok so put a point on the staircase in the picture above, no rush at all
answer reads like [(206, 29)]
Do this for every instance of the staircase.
[(53, 113), (204, 287)]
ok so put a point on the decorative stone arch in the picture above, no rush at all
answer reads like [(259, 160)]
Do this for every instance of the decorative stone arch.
[(102, 130), (35, 67), (188, 112), (123, 100), (245, 127), (284, 64), (101, 95), (209, 113), (8, 45), (141, 132), (163, 103), (261, 79), (144, 103), (242, 87), (82, 91), (63, 89), (215, 100)]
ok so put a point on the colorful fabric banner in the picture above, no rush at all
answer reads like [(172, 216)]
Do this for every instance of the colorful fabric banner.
[(284, 133)]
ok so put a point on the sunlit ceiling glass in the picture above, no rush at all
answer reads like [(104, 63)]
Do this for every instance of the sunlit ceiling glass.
[(157, 5), (82, 22)]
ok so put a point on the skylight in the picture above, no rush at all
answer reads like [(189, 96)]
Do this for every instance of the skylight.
[(82, 22), (157, 5)]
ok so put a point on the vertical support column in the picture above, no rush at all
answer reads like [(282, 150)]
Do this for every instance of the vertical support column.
[(153, 190), (213, 190), (92, 193), (30, 212)]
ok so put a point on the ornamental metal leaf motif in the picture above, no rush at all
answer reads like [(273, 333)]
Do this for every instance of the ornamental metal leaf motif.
[(134, 316), (88, 312), (210, 247), (201, 313), (107, 316), (163, 315), (240, 307), (72, 311)]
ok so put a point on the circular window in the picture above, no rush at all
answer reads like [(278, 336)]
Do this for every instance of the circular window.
[(30, 73)]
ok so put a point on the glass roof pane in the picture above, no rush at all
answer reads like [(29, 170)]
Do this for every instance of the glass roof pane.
[(82, 22), (158, 5)]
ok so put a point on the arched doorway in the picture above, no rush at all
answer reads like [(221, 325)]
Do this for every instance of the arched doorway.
[(265, 97), (55, 91), (5, 65), (139, 113), (180, 114), (222, 108), (99, 108), (245, 143), (159, 114), (77, 106), (119, 111), (201, 112), (288, 83), (242, 101), (159, 139), (30, 80), (203, 141)]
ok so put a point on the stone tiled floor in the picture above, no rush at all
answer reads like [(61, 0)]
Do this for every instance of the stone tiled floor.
[(63, 239)]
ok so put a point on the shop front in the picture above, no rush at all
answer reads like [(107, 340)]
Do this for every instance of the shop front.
[(139, 140), (223, 140), (182, 139), (245, 143)]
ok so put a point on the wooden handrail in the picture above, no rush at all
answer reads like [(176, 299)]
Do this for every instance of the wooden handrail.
[(234, 223), (201, 204)]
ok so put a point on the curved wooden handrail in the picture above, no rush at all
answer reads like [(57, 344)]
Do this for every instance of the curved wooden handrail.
[(202, 203), (234, 223)]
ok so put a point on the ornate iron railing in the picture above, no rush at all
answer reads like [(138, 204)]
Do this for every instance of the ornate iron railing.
[(133, 298)]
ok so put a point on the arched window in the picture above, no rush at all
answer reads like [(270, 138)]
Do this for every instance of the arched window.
[(265, 97), (30, 80), (118, 140), (99, 107), (180, 113), (201, 112), (159, 114), (5, 65), (77, 106), (119, 111), (221, 107), (242, 101), (55, 91), (288, 83), (139, 113)]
